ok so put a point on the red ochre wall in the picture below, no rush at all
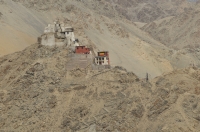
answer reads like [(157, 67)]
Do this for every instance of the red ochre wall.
[(82, 50)]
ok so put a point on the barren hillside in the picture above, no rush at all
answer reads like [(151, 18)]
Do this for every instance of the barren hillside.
[(134, 10), (22, 21), (38, 94), (149, 10), (177, 32), (19, 27), (129, 46)]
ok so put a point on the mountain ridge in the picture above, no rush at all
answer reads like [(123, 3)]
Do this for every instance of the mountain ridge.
[(38, 94)]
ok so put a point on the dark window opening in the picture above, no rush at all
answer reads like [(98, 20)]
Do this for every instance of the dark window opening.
[(77, 40)]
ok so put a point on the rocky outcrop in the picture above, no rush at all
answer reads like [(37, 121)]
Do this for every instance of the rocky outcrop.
[(37, 93)]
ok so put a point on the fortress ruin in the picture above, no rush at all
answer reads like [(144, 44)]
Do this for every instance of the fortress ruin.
[(58, 34)]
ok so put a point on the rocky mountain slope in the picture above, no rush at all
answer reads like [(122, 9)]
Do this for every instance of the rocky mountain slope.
[(129, 46), (177, 32), (37, 93), (22, 21), (134, 10), (149, 10)]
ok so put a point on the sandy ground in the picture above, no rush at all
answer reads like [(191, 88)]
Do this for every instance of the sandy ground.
[(11, 40), (19, 27)]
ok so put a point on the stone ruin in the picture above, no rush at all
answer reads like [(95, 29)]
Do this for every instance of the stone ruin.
[(58, 34)]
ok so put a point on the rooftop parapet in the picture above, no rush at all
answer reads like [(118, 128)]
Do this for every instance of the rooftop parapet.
[(67, 29), (49, 28), (62, 33)]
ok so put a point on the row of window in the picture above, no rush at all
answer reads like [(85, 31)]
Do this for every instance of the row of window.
[(100, 62), (103, 58), (83, 48)]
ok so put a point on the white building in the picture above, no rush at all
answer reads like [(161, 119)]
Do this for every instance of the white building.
[(58, 34), (101, 60), (48, 39)]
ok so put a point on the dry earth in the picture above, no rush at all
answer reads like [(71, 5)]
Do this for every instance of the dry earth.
[(150, 10), (177, 32), (38, 93), (129, 46)]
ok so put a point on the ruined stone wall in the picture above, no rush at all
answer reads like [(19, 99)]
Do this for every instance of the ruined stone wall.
[(48, 39), (50, 28), (58, 34)]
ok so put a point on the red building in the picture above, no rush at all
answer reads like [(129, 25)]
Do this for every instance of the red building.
[(82, 50)]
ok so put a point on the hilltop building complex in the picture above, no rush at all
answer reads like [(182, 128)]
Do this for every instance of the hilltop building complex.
[(59, 34)]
